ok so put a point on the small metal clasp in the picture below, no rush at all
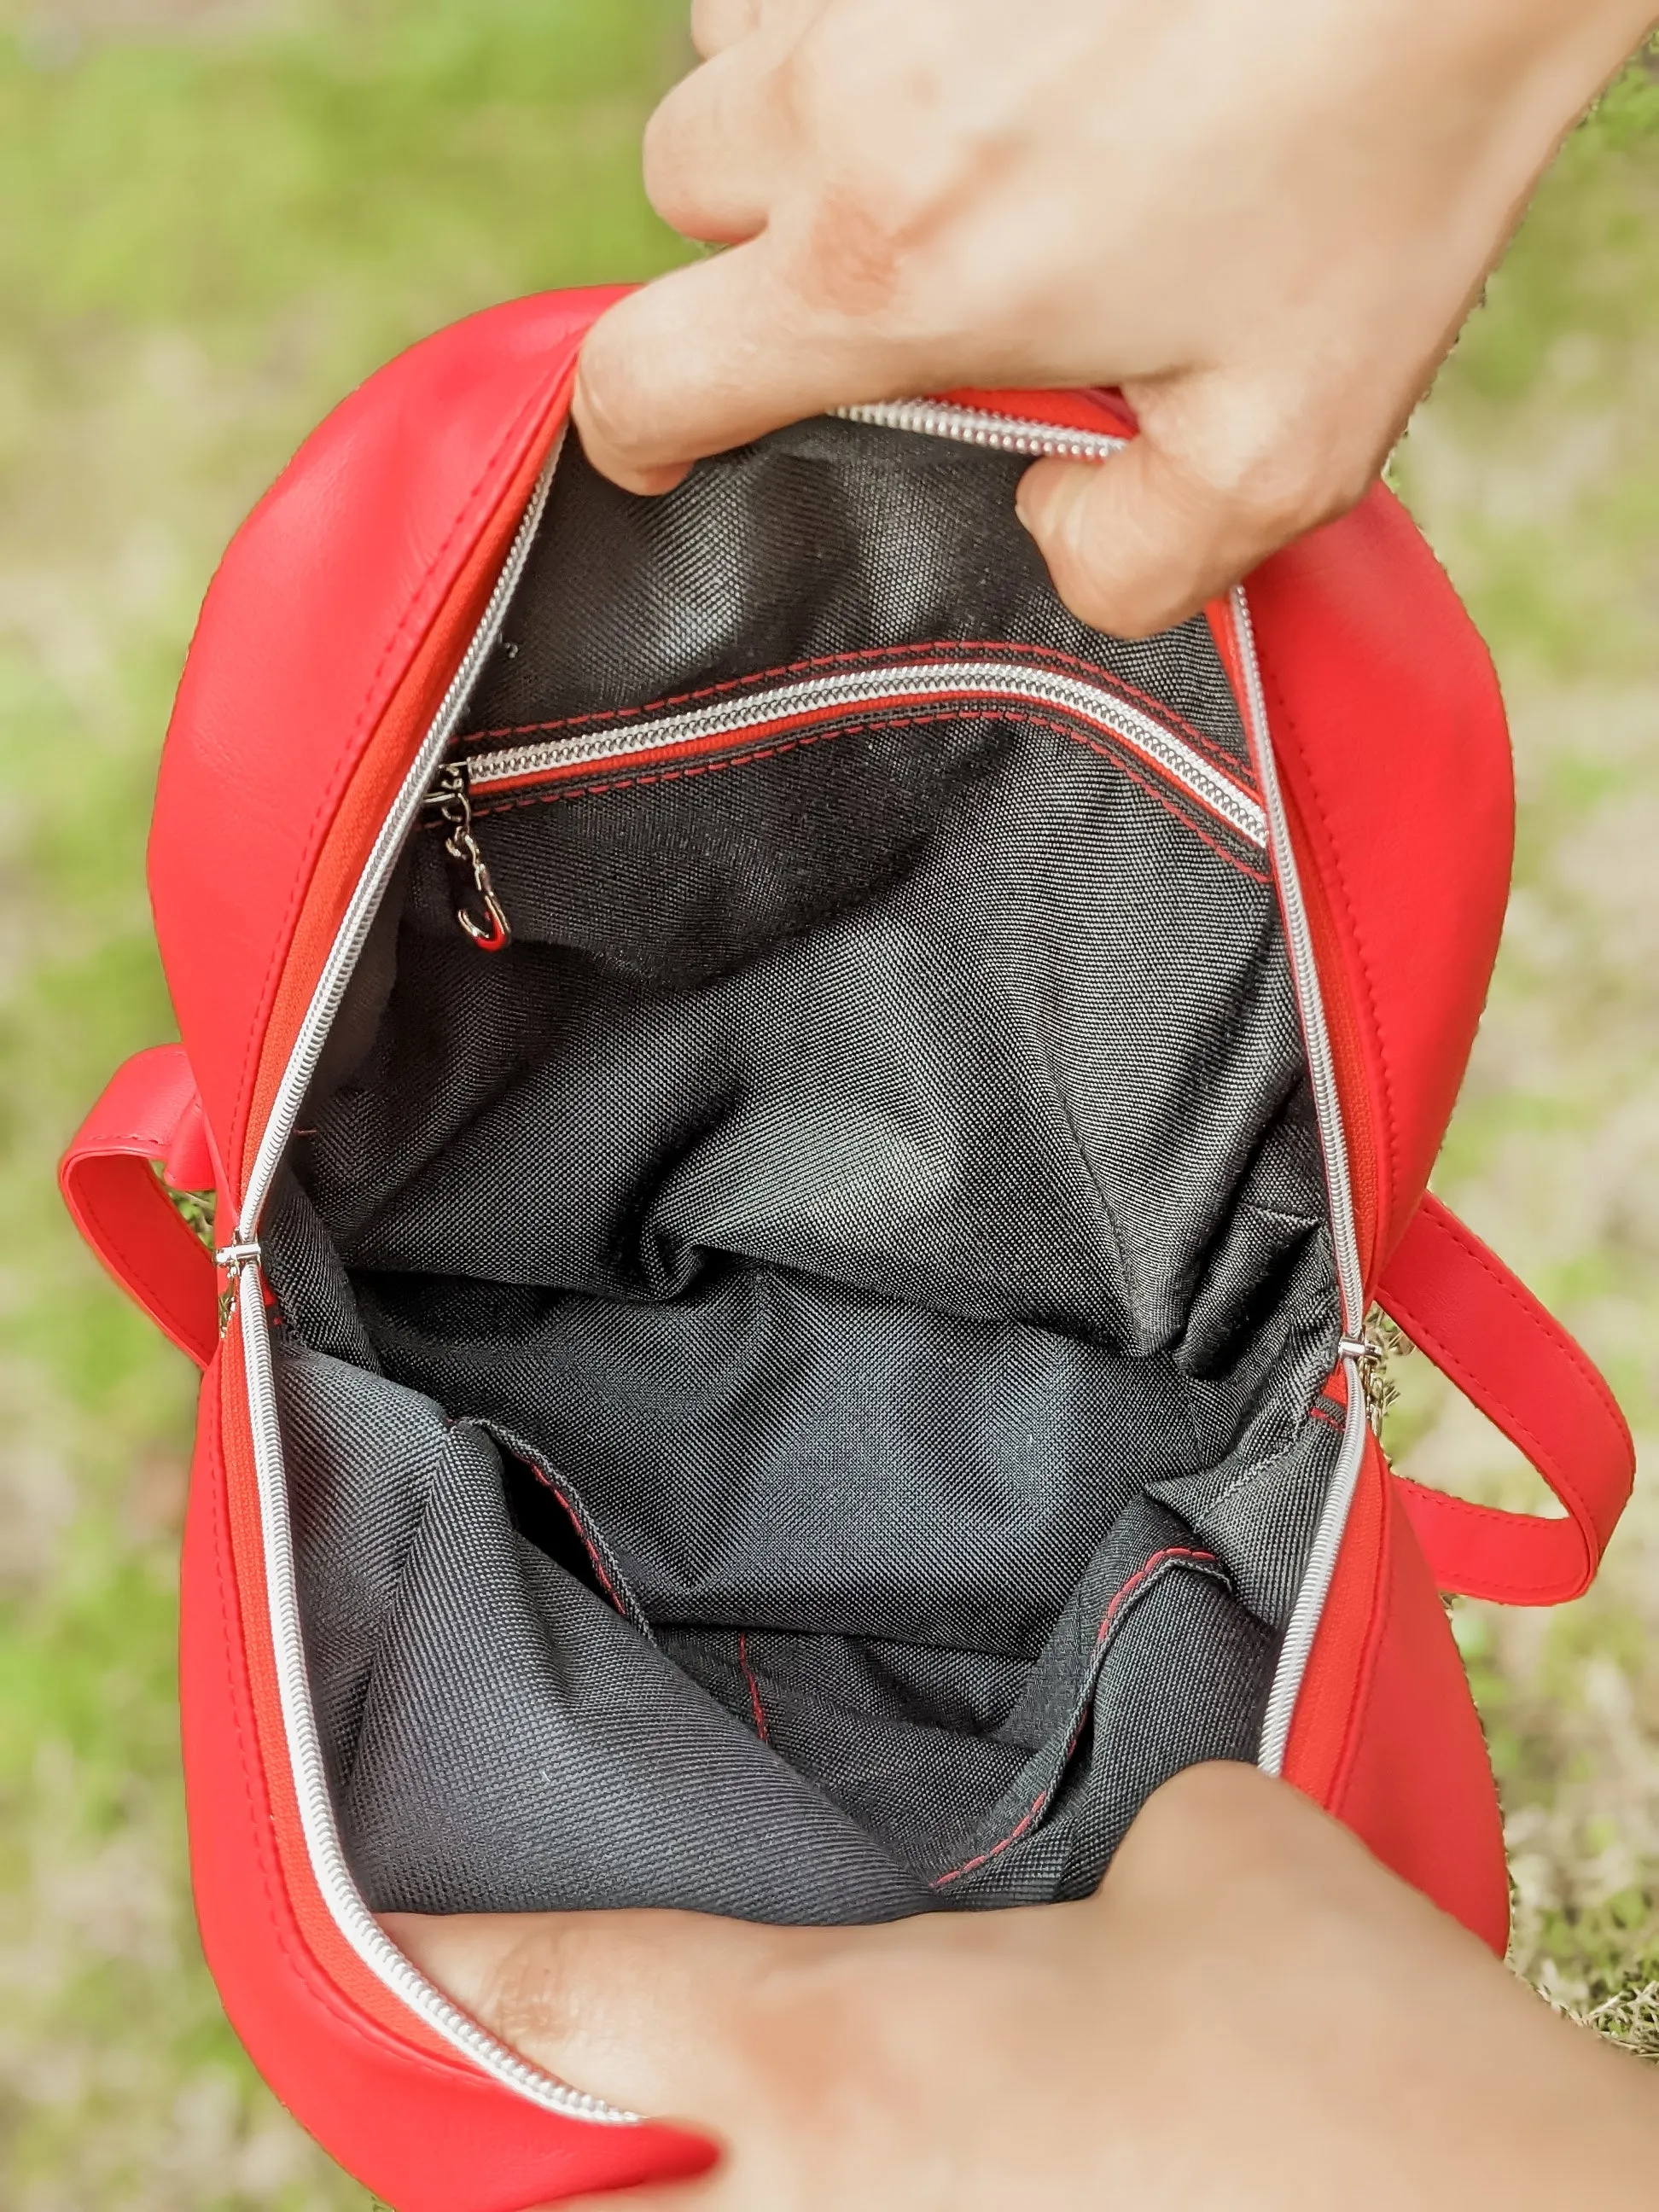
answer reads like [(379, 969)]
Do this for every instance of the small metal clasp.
[(451, 800)]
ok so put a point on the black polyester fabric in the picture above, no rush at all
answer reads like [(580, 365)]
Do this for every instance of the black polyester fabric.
[(800, 1378)]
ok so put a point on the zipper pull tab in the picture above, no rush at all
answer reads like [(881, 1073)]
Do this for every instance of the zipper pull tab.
[(451, 800)]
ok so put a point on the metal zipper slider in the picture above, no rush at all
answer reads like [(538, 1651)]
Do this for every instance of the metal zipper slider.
[(1371, 1354), (451, 800)]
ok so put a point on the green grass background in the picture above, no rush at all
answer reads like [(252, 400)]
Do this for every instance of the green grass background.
[(213, 220)]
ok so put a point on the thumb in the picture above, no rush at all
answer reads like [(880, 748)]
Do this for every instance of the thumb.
[(642, 2009), (709, 356), (1137, 543)]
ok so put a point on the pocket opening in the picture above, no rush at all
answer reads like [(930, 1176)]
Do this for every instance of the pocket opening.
[(858, 1188)]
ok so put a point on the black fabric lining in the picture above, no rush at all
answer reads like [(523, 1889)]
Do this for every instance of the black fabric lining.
[(800, 1374)]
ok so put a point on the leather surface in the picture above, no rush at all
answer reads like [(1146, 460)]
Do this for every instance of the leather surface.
[(1386, 1737), (425, 2131), (1484, 1330), (323, 598), (148, 1118), (1389, 732)]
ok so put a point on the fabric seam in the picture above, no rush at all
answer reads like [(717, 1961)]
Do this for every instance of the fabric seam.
[(755, 1705), (1115, 1614)]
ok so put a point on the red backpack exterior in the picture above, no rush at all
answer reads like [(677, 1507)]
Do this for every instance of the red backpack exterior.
[(378, 548)]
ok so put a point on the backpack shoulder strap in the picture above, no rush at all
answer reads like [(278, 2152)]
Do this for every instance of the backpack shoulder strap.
[(148, 1126), (1487, 1334)]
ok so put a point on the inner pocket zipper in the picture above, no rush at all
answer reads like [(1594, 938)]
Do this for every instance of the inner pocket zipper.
[(743, 719)]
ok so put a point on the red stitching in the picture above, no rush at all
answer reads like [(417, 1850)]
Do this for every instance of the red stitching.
[(1159, 1559), (1547, 1463), (1542, 1458), (604, 786), (575, 1520), (589, 1543), (871, 656), (755, 1705)]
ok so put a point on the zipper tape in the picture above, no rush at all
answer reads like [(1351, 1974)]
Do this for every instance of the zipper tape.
[(977, 683)]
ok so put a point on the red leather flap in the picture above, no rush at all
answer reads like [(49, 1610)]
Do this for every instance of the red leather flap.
[(148, 1118), (1484, 1331)]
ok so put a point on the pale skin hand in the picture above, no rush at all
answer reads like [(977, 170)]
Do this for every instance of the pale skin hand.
[(1251, 2015), (1266, 223)]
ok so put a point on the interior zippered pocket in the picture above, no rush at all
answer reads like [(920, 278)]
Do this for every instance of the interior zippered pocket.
[(779, 710)]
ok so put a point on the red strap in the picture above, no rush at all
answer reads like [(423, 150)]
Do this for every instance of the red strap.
[(1487, 1334), (149, 1117)]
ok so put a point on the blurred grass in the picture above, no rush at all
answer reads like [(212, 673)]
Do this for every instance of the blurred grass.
[(214, 219)]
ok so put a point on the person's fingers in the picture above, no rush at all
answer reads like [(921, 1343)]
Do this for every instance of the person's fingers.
[(642, 2008), (718, 24), (707, 358), (1139, 542), (711, 148), (1223, 1821)]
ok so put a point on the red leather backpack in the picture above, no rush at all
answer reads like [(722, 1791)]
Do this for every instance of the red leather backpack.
[(803, 1148)]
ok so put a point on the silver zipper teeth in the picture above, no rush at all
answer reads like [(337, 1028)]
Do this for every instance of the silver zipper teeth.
[(351, 1916), (978, 425), (358, 1926), (1309, 1607), (359, 918), (985, 681)]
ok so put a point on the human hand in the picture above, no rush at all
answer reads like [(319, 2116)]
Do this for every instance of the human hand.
[(1251, 2015), (1265, 223)]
